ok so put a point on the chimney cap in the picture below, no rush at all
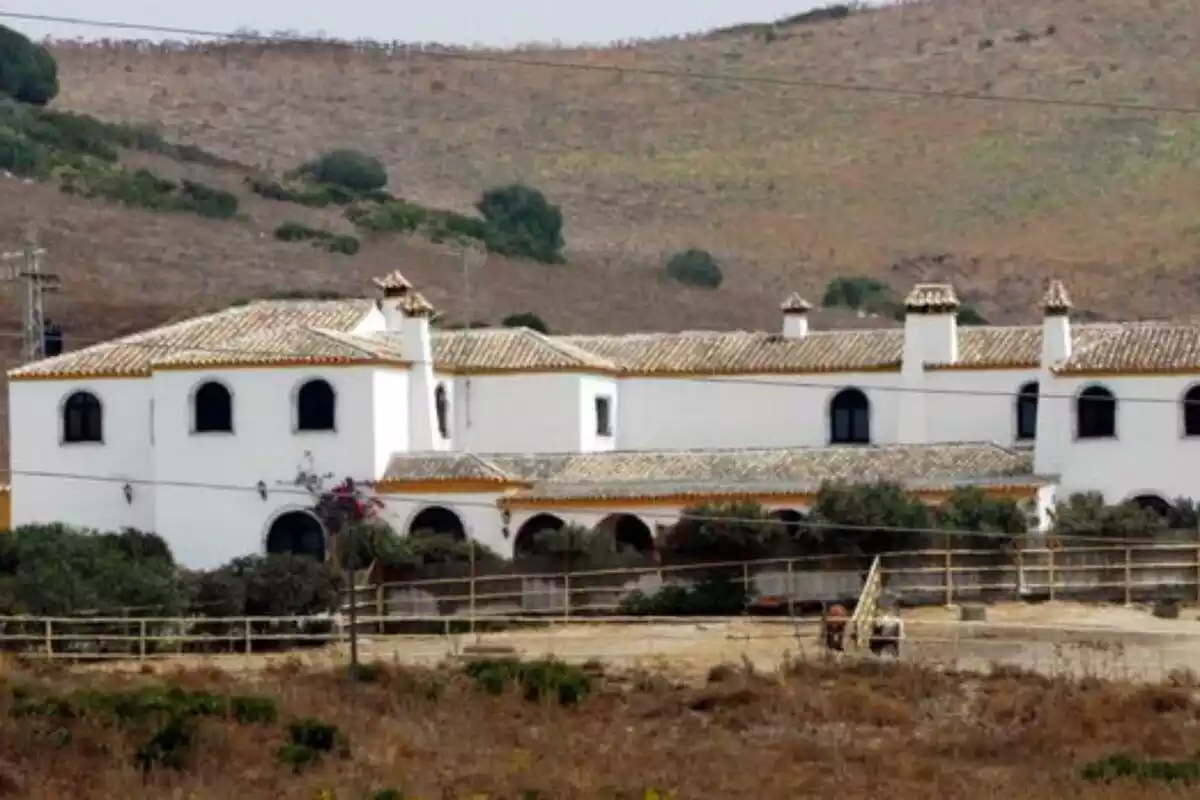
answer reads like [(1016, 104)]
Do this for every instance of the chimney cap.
[(1056, 301), (795, 304), (414, 304), (931, 298), (394, 284)]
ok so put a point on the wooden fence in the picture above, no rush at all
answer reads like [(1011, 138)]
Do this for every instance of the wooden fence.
[(789, 588)]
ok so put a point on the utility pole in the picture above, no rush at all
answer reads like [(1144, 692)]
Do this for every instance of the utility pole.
[(25, 266)]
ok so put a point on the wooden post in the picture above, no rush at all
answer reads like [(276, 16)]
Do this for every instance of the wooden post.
[(249, 637), (746, 578), (1128, 576), (791, 588), (1020, 570), (379, 609), (49, 640), (566, 597), (1198, 573), (142, 639), (949, 577), (1050, 571)]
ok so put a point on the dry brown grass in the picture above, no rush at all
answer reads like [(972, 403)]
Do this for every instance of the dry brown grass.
[(791, 186), (812, 730)]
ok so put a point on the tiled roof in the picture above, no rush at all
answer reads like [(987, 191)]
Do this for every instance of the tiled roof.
[(442, 467), (509, 349), (704, 352), (286, 345), (216, 333), (1056, 299), (750, 471), (1136, 347), (795, 304), (1013, 346)]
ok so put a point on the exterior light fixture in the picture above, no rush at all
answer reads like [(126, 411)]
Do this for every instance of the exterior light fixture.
[(261, 486), (505, 518), (127, 490)]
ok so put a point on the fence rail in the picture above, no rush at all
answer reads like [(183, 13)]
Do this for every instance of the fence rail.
[(791, 589)]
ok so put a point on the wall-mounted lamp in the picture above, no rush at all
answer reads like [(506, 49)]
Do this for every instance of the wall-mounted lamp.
[(262, 489), (127, 490), (505, 518)]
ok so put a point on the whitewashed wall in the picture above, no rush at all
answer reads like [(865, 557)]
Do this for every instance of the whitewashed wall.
[(1150, 454), (479, 514), (524, 413), (954, 414), (746, 411), (208, 526), (83, 481)]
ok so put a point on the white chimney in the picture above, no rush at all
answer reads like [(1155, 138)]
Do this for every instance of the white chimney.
[(930, 326), (407, 312), (1056, 324), (795, 316)]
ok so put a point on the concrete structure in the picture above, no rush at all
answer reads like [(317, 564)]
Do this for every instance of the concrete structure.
[(196, 429)]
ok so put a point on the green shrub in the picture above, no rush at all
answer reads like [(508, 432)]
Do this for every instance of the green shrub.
[(334, 243), (344, 244), (28, 73), (968, 315), (301, 193), (348, 169), (168, 747), (308, 742), (526, 319), (208, 201), (19, 155), (520, 221), (1116, 767), (538, 680), (716, 597), (854, 292), (695, 267)]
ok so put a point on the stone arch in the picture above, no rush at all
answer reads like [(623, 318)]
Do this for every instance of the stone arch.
[(212, 407), (790, 517), (850, 417), (628, 531), (523, 544), (298, 532), (438, 521)]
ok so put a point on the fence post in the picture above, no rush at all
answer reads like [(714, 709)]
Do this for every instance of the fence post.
[(949, 577), (1198, 573), (1128, 576), (1050, 571), (1020, 570), (249, 636), (566, 597), (791, 587), (746, 579), (379, 609), (49, 639), (471, 599), (142, 639)]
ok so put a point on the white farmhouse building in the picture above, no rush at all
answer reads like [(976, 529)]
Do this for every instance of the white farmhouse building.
[(196, 429)]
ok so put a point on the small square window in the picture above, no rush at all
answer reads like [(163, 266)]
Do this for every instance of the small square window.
[(604, 416)]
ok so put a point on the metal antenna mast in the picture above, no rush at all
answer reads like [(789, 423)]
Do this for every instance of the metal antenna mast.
[(25, 266)]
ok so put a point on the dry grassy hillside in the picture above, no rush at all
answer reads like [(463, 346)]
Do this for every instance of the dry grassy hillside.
[(790, 185)]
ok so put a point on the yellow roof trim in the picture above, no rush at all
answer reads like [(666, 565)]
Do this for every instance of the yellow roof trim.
[(448, 486), (82, 375), (976, 367), (705, 373), (517, 501)]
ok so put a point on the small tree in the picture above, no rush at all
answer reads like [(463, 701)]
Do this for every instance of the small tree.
[(732, 531), (28, 73), (854, 291), (695, 267), (349, 169), (521, 222), (868, 519), (1086, 514), (997, 521), (526, 319)]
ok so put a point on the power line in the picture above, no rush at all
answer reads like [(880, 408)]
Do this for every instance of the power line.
[(735, 380), (735, 78), (284, 487)]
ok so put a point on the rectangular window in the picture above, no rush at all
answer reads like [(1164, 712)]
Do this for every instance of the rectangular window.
[(604, 416)]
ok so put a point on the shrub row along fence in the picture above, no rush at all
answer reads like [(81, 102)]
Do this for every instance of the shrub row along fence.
[(804, 585), (785, 588)]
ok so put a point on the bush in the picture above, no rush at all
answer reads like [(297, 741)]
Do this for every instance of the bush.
[(348, 169), (715, 597), (301, 193), (334, 243), (521, 222), (696, 268), (967, 315), (1087, 514), (28, 73), (539, 680), (733, 531), (208, 201), (526, 319)]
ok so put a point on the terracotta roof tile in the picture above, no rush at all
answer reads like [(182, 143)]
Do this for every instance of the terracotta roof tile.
[(765, 471), (286, 345), (509, 349), (442, 467), (1137, 347), (1056, 300), (795, 304), (931, 298)]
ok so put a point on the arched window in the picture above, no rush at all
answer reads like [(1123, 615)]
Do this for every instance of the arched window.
[(83, 418), (212, 409), (442, 406), (1027, 406), (316, 406), (1191, 412), (1096, 414), (850, 418)]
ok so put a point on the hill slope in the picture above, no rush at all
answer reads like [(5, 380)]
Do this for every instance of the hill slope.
[(790, 186)]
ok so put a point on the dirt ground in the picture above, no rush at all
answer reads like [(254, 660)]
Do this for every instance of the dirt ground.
[(1103, 641)]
